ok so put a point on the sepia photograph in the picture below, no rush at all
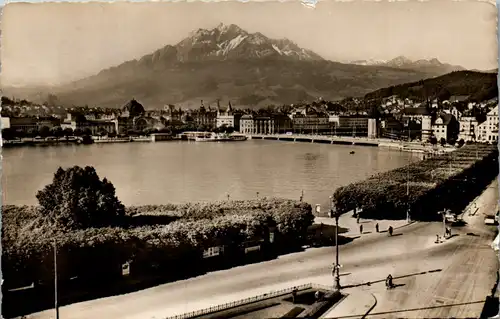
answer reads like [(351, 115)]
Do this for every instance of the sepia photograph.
[(249, 160)]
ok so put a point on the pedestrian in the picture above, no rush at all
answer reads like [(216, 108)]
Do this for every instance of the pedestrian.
[(390, 230), (294, 294), (357, 220), (376, 227), (360, 229)]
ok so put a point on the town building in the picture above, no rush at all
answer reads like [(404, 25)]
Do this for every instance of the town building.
[(446, 127), (247, 124), (488, 130), (27, 124), (130, 111), (423, 119), (469, 127), (307, 120), (352, 125), (228, 117), (171, 114), (390, 127), (93, 127), (265, 124), (205, 117), (282, 123)]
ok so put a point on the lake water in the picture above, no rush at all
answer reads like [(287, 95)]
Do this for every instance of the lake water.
[(174, 172)]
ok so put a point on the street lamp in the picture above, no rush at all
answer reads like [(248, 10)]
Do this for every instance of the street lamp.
[(336, 266)]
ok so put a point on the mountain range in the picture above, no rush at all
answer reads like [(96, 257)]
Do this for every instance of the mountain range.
[(401, 62), (229, 63)]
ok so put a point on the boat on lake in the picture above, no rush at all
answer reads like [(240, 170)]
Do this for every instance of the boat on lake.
[(214, 137)]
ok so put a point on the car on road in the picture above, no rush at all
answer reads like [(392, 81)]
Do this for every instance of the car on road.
[(491, 219)]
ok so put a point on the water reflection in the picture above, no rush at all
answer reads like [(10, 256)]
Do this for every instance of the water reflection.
[(156, 173)]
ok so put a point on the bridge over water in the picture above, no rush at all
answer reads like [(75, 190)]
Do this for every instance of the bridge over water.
[(363, 141)]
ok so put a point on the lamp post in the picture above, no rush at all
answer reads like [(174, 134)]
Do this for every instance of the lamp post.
[(336, 266)]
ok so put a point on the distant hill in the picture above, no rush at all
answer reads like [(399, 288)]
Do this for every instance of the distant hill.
[(432, 66), (478, 86), (225, 63)]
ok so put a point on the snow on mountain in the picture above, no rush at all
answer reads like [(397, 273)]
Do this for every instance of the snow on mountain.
[(230, 41), (368, 62), (402, 62), (398, 62)]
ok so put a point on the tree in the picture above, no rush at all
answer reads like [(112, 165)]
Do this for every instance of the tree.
[(68, 132), (8, 133), (103, 132), (33, 132), (44, 131), (78, 132), (57, 131), (433, 140), (442, 141), (78, 199)]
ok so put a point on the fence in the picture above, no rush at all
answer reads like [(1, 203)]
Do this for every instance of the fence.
[(237, 303)]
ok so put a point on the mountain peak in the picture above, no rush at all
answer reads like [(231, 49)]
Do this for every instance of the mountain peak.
[(229, 41), (223, 28)]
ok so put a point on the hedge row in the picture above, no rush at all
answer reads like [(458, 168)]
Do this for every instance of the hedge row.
[(96, 252), (431, 183)]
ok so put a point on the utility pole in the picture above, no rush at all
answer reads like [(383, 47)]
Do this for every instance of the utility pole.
[(56, 305)]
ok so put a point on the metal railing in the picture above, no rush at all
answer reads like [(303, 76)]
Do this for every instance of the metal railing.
[(253, 299)]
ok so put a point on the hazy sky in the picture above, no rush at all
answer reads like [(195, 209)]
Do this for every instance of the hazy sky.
[(58, 42)]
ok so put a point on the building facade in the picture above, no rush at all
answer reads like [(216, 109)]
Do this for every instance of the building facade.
[(469, 128), (310, 121), (488, 130), (445, 127), (93, 127)]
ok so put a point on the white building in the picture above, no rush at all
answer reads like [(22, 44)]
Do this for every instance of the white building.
[(488, 130), (469, 128), (5, 122), (445, 126), (225, 118), (246, 124)]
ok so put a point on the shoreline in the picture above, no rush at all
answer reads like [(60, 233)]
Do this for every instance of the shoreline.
[(413, 147)]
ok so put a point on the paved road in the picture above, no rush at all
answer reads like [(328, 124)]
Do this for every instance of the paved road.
[(467, 269), (458, 291)]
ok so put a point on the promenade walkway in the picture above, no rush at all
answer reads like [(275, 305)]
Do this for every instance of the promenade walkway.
[(351, 223)]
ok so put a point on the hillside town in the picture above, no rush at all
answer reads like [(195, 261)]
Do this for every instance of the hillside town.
[(446, 122)]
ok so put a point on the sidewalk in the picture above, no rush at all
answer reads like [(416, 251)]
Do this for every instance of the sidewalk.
[(347, 221), (355, 305)]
